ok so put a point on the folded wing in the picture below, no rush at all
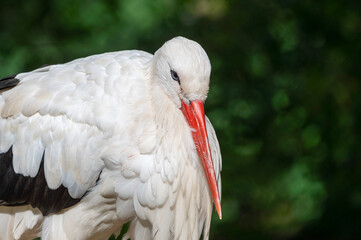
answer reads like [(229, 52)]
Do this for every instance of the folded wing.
[(54, 126)]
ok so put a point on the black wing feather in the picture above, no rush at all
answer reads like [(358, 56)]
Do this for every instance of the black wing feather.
[(9, 82), (15, 189)]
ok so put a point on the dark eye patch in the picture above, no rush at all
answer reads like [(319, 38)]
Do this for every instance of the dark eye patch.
[(175, 76)]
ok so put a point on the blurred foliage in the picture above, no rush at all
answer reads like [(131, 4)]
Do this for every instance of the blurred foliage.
[(284, 99)]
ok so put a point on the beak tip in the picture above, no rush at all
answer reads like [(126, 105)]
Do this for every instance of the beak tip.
[(219, 210)]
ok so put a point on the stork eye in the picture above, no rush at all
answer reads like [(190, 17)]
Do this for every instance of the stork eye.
[(174, 76)]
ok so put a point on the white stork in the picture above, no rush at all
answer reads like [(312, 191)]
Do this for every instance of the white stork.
[(92, 144)]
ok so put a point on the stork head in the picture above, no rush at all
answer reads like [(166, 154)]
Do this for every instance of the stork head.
[(183, 69)]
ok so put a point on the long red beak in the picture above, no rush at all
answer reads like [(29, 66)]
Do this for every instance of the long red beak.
[(194, 114)]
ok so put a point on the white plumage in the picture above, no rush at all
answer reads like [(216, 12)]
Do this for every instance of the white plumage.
[(111, 131)]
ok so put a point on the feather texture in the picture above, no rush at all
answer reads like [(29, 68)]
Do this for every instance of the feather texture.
[(108, 130)]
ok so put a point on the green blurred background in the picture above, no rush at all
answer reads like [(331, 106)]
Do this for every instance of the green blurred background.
[(284, 99)]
